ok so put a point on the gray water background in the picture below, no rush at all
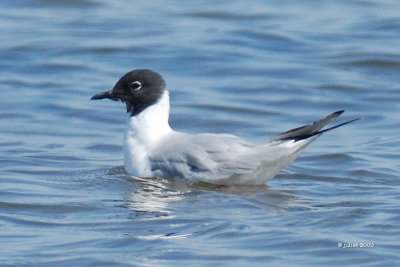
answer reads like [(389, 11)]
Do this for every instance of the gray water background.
[(250, 68)]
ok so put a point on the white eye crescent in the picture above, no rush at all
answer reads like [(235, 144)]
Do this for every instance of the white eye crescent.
[(136, 85)]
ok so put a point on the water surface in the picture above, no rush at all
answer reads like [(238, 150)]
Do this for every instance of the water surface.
[(249, 68)]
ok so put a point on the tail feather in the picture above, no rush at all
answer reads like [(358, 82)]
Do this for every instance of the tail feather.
[(312, 129)]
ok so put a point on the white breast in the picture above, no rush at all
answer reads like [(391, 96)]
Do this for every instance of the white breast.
[(142, 134)]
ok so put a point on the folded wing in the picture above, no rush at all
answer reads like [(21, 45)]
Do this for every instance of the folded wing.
[(227, 159)]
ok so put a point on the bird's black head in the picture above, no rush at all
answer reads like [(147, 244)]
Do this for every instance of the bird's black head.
[(139, 89)]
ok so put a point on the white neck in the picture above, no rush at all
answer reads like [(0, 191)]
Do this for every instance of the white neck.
[(142, 133)]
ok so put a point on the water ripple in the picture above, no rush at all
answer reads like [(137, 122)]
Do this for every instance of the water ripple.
[(251, 69)]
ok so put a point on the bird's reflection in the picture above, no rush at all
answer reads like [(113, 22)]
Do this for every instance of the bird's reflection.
[(156, 195)]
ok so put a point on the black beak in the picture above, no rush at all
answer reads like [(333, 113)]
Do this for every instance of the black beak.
[(106, 94)]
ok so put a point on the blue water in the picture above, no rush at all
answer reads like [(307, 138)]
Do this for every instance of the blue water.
[(250, 68)]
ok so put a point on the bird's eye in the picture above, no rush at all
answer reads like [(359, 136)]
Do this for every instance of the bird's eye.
[(136, 85)]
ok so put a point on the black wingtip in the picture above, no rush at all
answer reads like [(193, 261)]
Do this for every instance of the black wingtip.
[(312, 129), (302, 137), (339, 112), (338, 125)]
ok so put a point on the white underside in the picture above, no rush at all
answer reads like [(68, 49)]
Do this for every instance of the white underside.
[(152, 148), (142, 134)]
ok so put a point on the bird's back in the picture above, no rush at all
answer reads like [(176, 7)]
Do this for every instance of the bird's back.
[(221, 159)]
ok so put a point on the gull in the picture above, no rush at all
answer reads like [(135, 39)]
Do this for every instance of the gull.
[(153, 149)]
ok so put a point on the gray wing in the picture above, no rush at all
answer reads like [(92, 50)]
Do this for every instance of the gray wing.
[(227, 159), (198, 156), (222, 159)]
